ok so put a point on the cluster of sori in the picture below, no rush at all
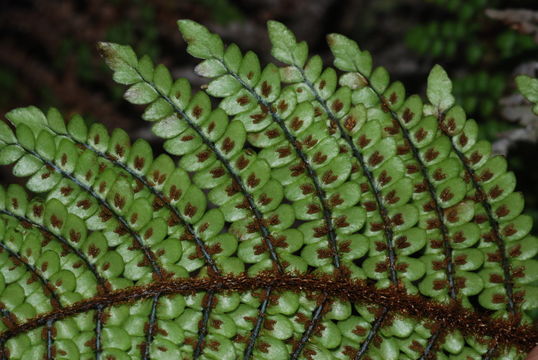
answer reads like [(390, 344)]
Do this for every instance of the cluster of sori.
[(313, 213)]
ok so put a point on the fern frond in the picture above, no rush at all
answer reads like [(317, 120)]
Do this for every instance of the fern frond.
[(137, 162), (315, 212), (452, 125), (108, 190)]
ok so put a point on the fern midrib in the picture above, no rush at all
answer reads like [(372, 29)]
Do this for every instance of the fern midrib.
[(454, 316), (62, 240), (80, 255), (312, 324), (5, 313), (508, 280), (431, 188), (65, 242), (98, 331), (190, 229), (235, 177), (431, 191), (45, 284), (316, 318), (151, 327), (203, 330), (372, 334), (387, 228), (257, 214), (327, 215), (50, 340), (430, 346), (258, 326), (149, 255), (147, 252)]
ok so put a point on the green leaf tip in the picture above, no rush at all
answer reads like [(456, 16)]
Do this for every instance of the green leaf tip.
[(30, 116), (285, 47), (6, 134), (439, 88), (117, 56), (201, 43), (348, 56)]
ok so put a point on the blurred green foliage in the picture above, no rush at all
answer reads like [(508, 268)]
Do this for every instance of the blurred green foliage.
[(459, 28), (223, 11), (482, 53), (479, 92)]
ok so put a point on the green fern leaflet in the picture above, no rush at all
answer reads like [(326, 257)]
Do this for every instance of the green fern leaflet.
[(315, 213)]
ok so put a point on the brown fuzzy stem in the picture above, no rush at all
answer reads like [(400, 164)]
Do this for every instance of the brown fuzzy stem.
[(454, 316)]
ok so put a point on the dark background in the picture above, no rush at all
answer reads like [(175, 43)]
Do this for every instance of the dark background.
[(48, 55)]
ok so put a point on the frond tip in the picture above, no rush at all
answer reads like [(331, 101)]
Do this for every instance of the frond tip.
[(315, 213)]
